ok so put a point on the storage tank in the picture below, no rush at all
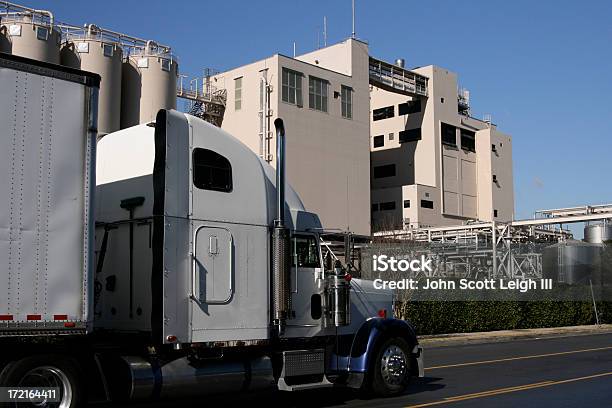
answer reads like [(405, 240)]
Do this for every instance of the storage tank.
[(148, 84), (33, 35), (91, 51), (598, 233), (572, 262)]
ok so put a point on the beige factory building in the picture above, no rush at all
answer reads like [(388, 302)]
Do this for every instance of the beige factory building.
[(433, 164), (323, 97)]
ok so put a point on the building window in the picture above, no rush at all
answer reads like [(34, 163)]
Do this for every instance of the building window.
[(347, 101), (495, 178), (391, 136), (374, 207), (441, 100), (406, 108), (427, 204), (211, 171), (449, 135), (495, 213), (387, 170), (388, 206), (317, 94), (468, 140), (383, 113), (238, 93), (379, 141), (406, 203), (410, 135), (292, 87)]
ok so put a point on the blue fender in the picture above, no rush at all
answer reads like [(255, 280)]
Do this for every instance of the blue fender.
[(354, 353)]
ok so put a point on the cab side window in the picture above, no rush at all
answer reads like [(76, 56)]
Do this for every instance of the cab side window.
[(211, 171), (305, 251)]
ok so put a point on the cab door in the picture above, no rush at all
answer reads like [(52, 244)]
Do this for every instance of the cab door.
[(213, 265), (305, 281)]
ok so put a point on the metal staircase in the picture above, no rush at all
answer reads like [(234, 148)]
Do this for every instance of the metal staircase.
[(208, 102)]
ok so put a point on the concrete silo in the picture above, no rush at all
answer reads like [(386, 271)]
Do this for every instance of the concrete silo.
[(93, 49), (148, 84), (32, 34)]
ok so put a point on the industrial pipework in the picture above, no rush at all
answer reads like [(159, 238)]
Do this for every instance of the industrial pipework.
[(281, 244)]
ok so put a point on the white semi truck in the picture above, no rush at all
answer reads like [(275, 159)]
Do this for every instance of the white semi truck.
[(168, 264)]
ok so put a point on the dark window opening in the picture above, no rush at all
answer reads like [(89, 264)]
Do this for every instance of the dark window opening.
[(409, 107), (406, 203), (305, 252), (449, 135), (379, 141), (495, 213), (388, 170), (410, 135), (211, 171), (441, 100), (374, 207), (495, 178), (388, 206), (468, 140), (383, 113), (427, 204)]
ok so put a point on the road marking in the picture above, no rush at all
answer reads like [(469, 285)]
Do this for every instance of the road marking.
[(507, 390), (517, 358)]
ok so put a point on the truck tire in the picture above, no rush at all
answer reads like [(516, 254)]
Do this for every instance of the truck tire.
[(46, 371), (390, 370)]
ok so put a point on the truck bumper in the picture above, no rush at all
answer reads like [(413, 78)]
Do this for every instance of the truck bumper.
[(417, 354)]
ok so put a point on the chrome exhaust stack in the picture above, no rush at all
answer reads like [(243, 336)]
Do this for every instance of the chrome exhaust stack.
[(281, 244)]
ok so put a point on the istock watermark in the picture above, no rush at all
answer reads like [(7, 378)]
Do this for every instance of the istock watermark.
[(384, 263)]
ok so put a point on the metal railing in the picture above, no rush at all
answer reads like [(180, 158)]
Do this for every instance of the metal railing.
[(396, 79)]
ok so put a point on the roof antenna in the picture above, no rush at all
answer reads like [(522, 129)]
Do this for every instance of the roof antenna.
[(353, 33), (325, 31)]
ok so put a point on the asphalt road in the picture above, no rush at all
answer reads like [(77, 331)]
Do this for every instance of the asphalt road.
[(573, 371)]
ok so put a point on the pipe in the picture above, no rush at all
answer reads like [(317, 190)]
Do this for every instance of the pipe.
[(280, 173), (281, 245), (49, 14)]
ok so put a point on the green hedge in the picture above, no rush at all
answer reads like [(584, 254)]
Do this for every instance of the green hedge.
[(439, 317)]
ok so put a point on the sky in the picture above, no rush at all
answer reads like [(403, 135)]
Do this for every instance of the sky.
[(541, 69)]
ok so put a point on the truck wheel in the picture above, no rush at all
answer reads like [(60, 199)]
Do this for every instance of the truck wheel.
[(45, 371), (391, 368)]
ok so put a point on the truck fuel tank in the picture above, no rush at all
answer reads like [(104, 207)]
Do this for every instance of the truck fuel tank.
[(185, 377)]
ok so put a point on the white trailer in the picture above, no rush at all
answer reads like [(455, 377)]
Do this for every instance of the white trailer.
[(47, 152), (207, 277)]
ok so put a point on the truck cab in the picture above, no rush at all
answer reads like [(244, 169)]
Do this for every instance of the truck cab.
[(209, 275)]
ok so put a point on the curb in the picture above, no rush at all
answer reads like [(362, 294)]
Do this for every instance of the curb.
[(441, 340)]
